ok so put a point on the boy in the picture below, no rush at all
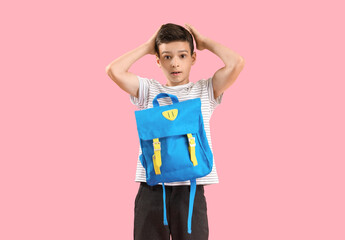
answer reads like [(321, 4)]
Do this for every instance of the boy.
[(174, 49)]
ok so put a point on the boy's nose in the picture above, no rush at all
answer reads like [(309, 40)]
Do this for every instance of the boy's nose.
[(175, 62)]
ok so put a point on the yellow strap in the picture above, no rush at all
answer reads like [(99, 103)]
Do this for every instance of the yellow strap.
[(156, 158), (191, 149)]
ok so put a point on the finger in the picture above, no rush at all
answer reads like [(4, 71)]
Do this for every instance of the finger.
[(188, 26), (189, 30)]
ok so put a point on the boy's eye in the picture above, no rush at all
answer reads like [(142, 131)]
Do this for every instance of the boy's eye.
[(166, 57), (184, 55)]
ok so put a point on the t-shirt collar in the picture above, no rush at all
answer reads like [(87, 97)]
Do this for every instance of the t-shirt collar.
[(179, 86)]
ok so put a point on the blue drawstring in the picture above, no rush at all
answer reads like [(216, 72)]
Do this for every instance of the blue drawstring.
[(191, 204), (164, 207)]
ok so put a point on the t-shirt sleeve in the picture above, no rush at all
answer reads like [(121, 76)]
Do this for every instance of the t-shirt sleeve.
[(142, 100), (213, 101)]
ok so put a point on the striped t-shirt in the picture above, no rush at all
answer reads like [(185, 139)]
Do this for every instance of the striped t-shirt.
[(203, 89)]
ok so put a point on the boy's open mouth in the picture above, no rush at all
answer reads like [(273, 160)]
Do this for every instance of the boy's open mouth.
[(175, 73)]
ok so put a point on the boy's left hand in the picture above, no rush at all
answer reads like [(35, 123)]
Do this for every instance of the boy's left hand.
[(199, 39)]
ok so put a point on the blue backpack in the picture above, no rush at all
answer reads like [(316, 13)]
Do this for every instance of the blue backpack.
[(174, 145)]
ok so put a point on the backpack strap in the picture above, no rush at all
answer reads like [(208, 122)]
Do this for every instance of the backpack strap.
[(191, 149), (156, 158), (191, 204), (165, 220)]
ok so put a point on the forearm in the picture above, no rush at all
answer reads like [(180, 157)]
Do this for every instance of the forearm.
[(124, 62), (229, 57)]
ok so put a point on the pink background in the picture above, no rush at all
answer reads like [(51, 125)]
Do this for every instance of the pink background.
[(68, 135)]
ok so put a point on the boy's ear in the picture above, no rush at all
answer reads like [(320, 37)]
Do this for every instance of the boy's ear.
[(193, 57), (158, 61)]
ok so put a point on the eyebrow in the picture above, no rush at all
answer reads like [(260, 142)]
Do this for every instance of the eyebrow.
[(178, 51)]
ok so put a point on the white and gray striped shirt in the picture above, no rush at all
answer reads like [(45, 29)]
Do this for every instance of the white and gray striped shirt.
[(203, 89)]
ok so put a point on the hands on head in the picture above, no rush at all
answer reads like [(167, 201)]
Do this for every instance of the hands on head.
[(199, 39)]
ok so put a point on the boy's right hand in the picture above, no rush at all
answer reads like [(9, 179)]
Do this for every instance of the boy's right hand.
[(152, 41)]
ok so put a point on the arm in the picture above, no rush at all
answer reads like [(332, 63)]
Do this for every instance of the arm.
[(234, 63), (225, 76), (118, 69)]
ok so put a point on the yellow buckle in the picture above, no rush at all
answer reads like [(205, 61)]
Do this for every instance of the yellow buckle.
[(191, 149), (156, 146), (191, 141), (156, 158)]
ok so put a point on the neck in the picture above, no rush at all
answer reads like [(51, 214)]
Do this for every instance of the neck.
[(172, 84)]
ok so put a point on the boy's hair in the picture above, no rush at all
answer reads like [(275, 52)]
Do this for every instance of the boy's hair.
[(172, 32)]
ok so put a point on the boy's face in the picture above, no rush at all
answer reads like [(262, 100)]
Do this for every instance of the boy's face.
[(175, 57)]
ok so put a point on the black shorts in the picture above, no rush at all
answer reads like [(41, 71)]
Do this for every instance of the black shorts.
[(148, 213)]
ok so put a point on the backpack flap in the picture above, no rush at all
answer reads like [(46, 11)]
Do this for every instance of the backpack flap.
[(155, 123)]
